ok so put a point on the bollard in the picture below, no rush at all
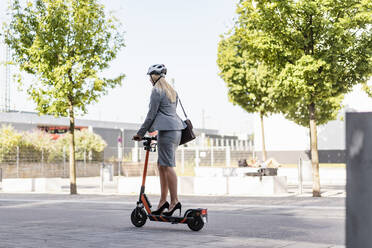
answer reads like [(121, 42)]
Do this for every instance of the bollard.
[(197, 159), (42, 163), (101, 177), (228, 156), (359, 174), (300, 189), (212, 156), (85, 162), (64, 161), (17, 161)]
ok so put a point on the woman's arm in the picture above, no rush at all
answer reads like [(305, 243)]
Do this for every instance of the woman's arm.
[(153, 110)]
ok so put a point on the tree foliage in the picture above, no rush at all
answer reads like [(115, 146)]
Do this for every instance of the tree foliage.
[(86, 142), (248, 79), (65, 44), (38, 139), (319, 50), (9, 138), (367, 89)]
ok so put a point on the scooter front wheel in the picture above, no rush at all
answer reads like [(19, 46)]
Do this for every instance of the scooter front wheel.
[(138, 217)]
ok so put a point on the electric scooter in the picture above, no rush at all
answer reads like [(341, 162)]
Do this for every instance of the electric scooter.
[(194, 218)]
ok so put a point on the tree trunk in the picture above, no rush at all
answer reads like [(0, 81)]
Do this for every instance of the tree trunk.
[(314, 151), (73, 189), (263, 139)]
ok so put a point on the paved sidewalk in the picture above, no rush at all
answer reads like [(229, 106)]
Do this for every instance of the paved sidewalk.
[(46, 220)]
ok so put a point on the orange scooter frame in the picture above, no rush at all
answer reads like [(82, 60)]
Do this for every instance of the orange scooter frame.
[(194, 218)]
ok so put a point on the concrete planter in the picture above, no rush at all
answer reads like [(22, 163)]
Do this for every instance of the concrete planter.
[(132, 185), (234, 185), (129, 185), (205, 171), (267, 185), (328, 176), (40, 185), (210, 185), (242, 186)]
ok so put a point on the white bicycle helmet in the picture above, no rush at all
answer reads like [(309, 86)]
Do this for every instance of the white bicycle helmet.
[(158, 69)]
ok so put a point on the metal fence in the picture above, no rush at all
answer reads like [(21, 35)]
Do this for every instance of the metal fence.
[(127, 161), (133, 158), (30, 162)]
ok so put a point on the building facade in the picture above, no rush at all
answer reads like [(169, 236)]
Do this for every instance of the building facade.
[(116, 134)]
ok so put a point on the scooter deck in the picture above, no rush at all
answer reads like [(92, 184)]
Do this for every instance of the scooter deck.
[(171, 219), (180, 219)]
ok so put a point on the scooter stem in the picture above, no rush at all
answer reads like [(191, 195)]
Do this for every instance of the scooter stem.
[(145, 168)]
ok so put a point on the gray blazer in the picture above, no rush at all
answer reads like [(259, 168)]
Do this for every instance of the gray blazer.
[(162, 114)]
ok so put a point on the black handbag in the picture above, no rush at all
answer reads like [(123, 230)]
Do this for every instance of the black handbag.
[(187, 133)]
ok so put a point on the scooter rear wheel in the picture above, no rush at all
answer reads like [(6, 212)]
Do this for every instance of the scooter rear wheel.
[(138, 217), (196, 223)]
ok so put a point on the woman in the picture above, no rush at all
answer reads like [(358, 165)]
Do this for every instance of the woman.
[(162, 116)]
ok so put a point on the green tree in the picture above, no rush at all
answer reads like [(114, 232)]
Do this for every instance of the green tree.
[(368, 89), (9, 140), (319, 49), (9, 137), (38, 139), (65, 44), (249, 80), (36, 145), (85, 141)]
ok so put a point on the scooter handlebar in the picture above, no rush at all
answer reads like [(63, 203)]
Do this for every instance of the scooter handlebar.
[(148, 145), (150, 138)]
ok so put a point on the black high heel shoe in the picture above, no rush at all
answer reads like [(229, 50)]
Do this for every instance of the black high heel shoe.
[(177, 206), (161, 209)]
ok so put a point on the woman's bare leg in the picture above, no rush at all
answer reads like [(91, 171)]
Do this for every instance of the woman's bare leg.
[(163, 185), (172, 185)]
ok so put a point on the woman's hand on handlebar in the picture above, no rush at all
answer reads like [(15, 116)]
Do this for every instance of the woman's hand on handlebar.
[(153, 134), (137, 137)]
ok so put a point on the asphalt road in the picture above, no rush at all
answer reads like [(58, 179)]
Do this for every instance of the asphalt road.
[(33, 220)]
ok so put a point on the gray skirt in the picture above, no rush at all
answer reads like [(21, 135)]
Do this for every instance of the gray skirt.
[(168, 142)]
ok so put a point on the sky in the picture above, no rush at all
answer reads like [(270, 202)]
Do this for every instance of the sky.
[(184, 36)]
